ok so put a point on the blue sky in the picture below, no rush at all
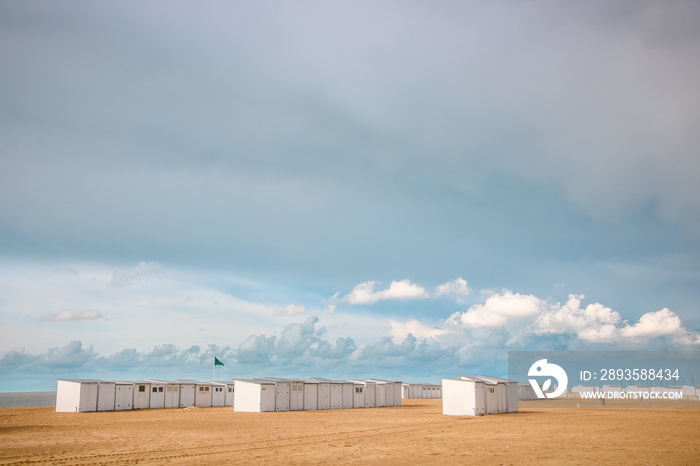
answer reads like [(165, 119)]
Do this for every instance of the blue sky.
[(344, 189)]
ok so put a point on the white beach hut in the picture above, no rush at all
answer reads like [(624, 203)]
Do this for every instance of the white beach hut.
[(358, 391), (187, 393), (420, 390), (638, 390), (254, 396), (397, 393), (230, 393), (157, 394), (661, 389), (123, 395), (105, 396), (392, 391), (613, 388), (324, 394), (509, 393), (369, 391), (587, 390), (380, 392), (388, 391), (218, 393), (296, 395), (142, 395), (77, 395), (226, 393), (282, 390), (495, 394), (330, 393), (370, 394), (195, 393), (310, 395), (348, 389), (688, 392), (172, 395), (336, 394), (202, 394), (303, 393), (434, 390), (463, 397), (526, 392)]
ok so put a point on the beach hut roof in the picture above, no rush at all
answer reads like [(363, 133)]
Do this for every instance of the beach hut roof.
[(470, 378), (491, 380), (257, 381), (85, 380)]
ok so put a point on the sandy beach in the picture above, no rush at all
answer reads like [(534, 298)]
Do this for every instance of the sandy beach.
[(416, 433)]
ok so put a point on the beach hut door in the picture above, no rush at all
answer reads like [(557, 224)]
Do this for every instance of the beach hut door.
[(296, 397)]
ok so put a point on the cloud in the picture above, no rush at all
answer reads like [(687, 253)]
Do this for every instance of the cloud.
[(663, 323), (298, 341), (331, 303), (595, 322), (69, 316), (457, 287), (290, 310), (402, 290), (71, 355), (400, 330), (526, 316), (125, 277), (256, 349), (498, 310)]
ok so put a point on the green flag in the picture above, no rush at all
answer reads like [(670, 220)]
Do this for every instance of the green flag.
[(217, 362)]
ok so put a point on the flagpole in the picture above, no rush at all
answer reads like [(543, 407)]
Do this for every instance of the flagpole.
[(214, 375)]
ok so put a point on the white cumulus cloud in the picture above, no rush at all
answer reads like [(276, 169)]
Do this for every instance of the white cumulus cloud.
[(528, 315), (400, 330), (498, 310), (595, 322), (364, 293), (457, 287)]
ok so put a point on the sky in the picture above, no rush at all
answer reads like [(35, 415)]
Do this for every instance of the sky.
[(351, 189)]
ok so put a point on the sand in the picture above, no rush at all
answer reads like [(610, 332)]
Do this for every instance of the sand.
[(416, 433)]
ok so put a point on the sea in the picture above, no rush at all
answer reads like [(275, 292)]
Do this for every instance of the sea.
[(27, 399)]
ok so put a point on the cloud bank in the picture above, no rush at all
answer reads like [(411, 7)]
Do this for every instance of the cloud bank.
[(528, 315)]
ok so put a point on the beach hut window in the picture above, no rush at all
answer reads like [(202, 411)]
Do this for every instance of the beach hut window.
[(142, 388), (230, 390), (358, 389), (160, 389), (155, 389)]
